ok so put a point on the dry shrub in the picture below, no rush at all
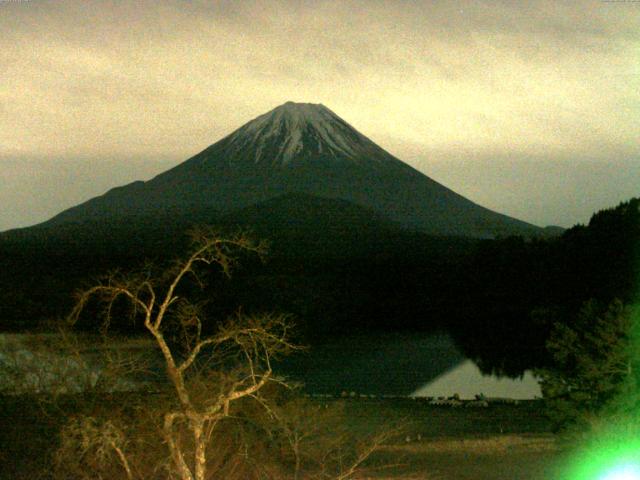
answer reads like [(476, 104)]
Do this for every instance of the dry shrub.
[(281, 436)]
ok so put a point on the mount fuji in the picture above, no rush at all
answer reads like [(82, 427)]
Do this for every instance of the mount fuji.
[(297, 152)]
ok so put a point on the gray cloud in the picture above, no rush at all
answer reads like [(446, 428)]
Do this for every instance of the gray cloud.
[(430, 81)]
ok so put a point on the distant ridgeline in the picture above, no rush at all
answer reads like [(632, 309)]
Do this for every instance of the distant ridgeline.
[(359, 241)]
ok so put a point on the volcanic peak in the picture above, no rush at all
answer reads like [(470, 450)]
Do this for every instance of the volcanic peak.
[(298, 149)]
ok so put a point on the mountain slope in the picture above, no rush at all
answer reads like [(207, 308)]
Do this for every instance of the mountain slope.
[(302, 148)]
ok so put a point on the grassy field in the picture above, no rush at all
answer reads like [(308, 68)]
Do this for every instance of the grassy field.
[(437, 442), (500, 442), (506, 457), (525, 417)]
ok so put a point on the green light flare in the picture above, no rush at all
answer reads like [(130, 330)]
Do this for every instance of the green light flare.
[(623, 472), (612, 452), (617, 459)]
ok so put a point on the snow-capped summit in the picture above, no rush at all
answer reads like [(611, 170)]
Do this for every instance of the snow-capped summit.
[(301, 132)]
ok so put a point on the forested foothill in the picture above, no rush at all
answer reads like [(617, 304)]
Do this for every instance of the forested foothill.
[(349, 271), (520, 289)]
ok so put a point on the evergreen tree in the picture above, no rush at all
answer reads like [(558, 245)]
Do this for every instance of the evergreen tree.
[(595, 367)]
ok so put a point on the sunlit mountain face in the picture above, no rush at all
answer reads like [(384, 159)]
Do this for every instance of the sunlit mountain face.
[(300, 148)]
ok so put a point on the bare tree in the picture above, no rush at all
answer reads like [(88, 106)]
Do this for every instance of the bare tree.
[(87, 438), (317, 440), (233, 363)]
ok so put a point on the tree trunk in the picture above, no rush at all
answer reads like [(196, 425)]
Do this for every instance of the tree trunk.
[(174, 449), (296, 452), (200, 445)]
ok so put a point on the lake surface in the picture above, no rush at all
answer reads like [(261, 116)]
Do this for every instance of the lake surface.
[(368, 364)]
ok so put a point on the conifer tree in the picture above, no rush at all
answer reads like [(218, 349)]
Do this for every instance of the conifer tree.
[(595, 365)]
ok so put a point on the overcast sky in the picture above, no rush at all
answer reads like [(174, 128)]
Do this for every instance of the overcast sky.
[(530, 108)]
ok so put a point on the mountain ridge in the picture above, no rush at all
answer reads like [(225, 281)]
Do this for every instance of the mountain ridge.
[(307, 149)]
